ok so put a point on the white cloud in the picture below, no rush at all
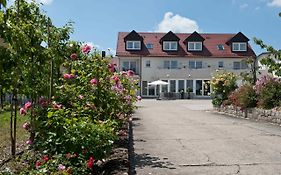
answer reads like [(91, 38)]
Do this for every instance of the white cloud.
[(275, 3), (257, 8), (177, 24), (244, 6)]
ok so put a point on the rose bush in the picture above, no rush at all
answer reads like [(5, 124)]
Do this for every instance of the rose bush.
[(222, 84), (269, 92), (91, 104)]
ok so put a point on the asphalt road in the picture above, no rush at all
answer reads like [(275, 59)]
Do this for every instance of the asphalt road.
[(187, 137)]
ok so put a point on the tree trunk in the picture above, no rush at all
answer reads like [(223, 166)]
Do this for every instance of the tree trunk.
[(15, 123)]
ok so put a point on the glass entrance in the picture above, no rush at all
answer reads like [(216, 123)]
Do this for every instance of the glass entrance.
[(206, 87)]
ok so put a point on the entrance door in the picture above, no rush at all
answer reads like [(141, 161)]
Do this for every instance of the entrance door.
[(206, 87)]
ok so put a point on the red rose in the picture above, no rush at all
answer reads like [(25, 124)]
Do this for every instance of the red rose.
[(46, 158), (38, 163), (73, 56), (90, 163)]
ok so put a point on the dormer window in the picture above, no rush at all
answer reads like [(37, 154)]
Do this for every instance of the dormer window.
[(133, 45), (239, 47), (194, 42), (170, 45), (194, 46)]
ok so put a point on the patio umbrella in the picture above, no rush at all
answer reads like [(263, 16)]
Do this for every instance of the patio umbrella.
[(158, 82)]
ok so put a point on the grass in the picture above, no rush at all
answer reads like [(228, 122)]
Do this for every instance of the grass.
[(5, 130)]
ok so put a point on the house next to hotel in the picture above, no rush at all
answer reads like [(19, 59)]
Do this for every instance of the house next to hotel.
[(187, 61)]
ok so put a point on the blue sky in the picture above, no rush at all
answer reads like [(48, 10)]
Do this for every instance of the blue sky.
[(99, 21)]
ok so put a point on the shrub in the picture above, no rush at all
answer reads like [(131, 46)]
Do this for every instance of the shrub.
[(269, 92), (244, 97), (91, 104), (222, 84)]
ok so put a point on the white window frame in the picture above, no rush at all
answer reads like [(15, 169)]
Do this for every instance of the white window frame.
[(170, 64), (169, 44), (134, 44), (192, 46), (238, 63), (130, 65), (239, 46), (195, 64)]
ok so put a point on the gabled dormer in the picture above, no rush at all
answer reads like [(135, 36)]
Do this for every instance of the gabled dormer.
[(194, 42), (170, 42), (238, 43), (133, 41)]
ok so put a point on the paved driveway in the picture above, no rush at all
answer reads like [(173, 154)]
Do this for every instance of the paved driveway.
[(186, 137)]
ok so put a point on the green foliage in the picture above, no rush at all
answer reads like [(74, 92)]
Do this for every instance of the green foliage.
[(244, 97), (270, 94), (84, 116), (223, 84)]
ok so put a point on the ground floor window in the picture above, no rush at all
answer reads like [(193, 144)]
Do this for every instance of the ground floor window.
[(172, 85), (198, 87)]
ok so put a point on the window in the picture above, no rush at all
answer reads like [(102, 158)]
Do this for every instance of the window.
[(170, 45), (195, 46), (170, 64), (129, 65), (236, 65), (189, 85), (239, 47), (133, 45), (149, 46), (220, 64), (181, 85), (240, 65), (220, 47), (147, 63), (164, 87), (174, 64), (172, 85), (195, 64)]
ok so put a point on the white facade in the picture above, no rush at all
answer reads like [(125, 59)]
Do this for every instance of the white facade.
[(180, 72)]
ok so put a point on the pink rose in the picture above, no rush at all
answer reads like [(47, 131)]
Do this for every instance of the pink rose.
[(68, 76), (130, 73), (22, 111), (94, 81), (57, 106), (111, 67), (116, 79), (43, 102), (61, 167), (139, 98), (73, 56), (124, 73), (80, 97), (26, 126), (29, 142), (27, 105), (86, 48)]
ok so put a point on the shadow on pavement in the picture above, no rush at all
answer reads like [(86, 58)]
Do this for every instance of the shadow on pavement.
[(144, 160)]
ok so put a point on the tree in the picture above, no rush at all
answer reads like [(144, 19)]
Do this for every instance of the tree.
[(273, 61), (27, 64), (3, 2)]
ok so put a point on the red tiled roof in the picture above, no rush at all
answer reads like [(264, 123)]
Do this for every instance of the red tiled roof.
[(210, 47)]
